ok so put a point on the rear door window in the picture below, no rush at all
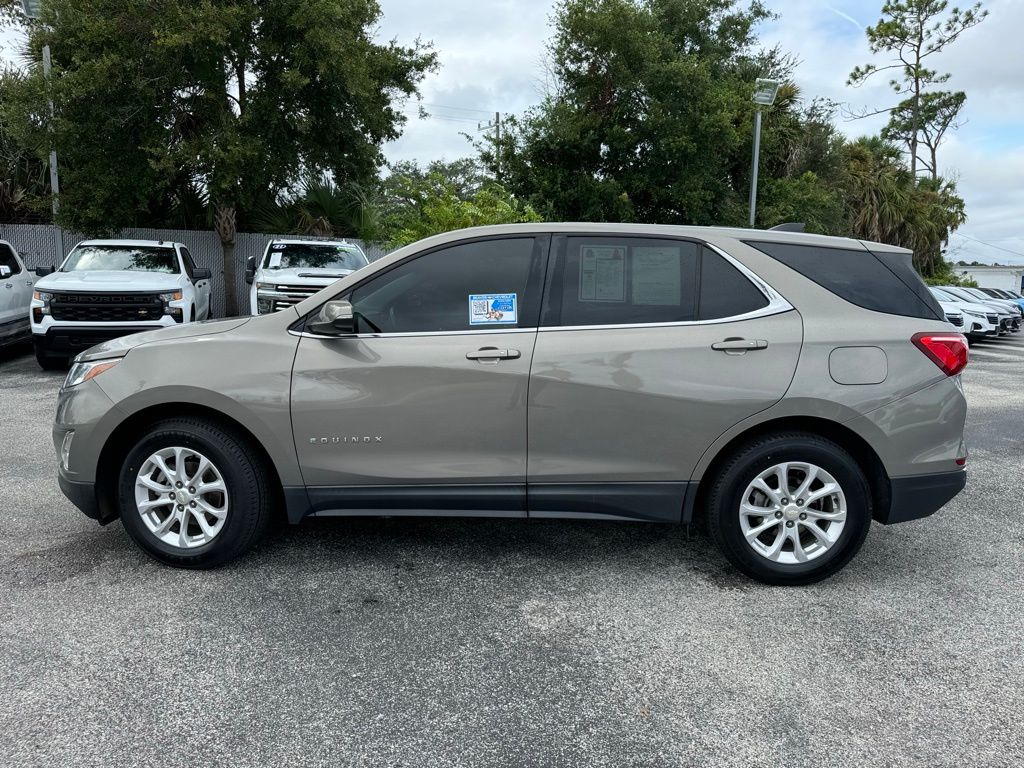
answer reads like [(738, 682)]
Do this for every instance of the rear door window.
[(637, 281), (7, 260), (883, 282)]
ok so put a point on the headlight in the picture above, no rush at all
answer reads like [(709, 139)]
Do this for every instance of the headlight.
[(40, 305), (172, 296), (82, 372), (974, 314)]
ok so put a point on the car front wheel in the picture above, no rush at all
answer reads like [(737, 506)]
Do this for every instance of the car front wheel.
[(192, 495), (790, 509)]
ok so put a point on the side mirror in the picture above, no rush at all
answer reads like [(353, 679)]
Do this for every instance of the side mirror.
[(44, 271), (201, 273), (5, 272), (337, 318), (250, 269)]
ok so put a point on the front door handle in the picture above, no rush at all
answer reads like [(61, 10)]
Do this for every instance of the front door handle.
[(493, 354), (734, 346)]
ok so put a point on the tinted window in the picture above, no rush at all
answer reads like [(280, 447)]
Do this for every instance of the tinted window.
[(472, 286), (122, 258), (883, 283), (613, 281), (7, 260), (314, 256), (724, 290)]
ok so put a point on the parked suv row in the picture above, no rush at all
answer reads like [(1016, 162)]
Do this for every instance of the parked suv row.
[(784, 389), (984, 315)]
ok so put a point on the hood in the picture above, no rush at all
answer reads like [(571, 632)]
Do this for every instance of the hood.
[(950, 307), (150, 282), (121, 346), (300, 276), (983, 309)]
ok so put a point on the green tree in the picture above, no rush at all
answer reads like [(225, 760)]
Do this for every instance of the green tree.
[(238, 99), (648, 117), (914, 31), (435, 207), (887, 203)]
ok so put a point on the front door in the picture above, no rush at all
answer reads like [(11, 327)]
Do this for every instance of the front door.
[(15, 288), (424, 408), (649, 350)]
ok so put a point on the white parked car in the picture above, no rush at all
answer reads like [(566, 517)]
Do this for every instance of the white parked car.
[(110, 288), (1009, 314), (292, 270), (980, 321), (15, 294)]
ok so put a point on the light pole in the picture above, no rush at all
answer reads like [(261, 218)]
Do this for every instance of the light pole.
[(32, 9), (765, 92)]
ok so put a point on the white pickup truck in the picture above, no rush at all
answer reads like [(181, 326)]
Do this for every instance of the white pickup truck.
[(292, 270), (15, 294), (110, 288)]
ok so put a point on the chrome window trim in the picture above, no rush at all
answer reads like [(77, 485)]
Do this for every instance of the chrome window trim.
[(777, 304), (412, 334)]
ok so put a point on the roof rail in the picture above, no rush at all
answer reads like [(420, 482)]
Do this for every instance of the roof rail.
[(789, 226)]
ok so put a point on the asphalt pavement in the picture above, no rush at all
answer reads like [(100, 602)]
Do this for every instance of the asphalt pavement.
[(521, 643)]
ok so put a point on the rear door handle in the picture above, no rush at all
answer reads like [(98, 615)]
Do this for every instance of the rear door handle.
[(489, 354), (739, 346)]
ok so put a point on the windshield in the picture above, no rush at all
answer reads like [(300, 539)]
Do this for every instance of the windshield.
[(942, 295), (314, 256), (121, 258)]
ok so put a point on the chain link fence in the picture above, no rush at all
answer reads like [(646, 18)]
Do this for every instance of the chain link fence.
[(42, 245)]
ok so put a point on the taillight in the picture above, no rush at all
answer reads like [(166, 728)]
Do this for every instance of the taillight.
[(946, 350)]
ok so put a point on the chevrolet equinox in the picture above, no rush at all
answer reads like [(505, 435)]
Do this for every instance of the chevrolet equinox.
[(783, 389)]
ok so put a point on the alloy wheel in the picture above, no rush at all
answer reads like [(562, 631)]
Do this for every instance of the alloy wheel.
[(181, 497), (792, 512)]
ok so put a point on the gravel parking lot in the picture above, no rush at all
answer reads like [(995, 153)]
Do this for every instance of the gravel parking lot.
[(520, 643)]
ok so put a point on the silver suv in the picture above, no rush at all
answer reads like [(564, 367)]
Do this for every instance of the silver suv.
[(784, 389)]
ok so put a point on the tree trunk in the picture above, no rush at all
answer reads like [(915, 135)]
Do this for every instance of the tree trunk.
[(224, 221)]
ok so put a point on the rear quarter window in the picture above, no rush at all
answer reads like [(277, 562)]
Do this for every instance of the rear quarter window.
[(882, 282)]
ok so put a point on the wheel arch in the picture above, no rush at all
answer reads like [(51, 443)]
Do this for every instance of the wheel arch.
[(124, 435), (859, 448)]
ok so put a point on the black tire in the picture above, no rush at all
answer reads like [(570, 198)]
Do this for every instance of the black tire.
[(743, 466), (48, 363), (248, 489), (192, 315)]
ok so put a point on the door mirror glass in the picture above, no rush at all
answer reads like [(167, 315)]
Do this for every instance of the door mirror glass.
[(202, 273), (44, 271), (250, 269), (5, 272), (336, 318)]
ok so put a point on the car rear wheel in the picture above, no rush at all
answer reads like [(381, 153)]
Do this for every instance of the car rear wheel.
[(192, 495), (790, 508)]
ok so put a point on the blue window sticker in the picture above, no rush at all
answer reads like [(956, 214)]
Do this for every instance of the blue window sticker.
[(493, 309)]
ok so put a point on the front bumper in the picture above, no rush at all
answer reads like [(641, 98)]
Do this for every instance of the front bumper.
[(68, 341), (83, 496), (921, 495)]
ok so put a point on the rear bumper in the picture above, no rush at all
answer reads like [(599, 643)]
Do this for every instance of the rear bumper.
[(922, 495)]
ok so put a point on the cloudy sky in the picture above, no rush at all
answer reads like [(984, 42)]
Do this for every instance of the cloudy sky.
[(492, 54)]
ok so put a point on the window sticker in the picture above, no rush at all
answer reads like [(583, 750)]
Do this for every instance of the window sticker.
[(657, 276), (602, 273), (493, 309), (275, 259)]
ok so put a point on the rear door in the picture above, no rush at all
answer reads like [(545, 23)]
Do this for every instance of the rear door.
[(649, 349), (424, 409)]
